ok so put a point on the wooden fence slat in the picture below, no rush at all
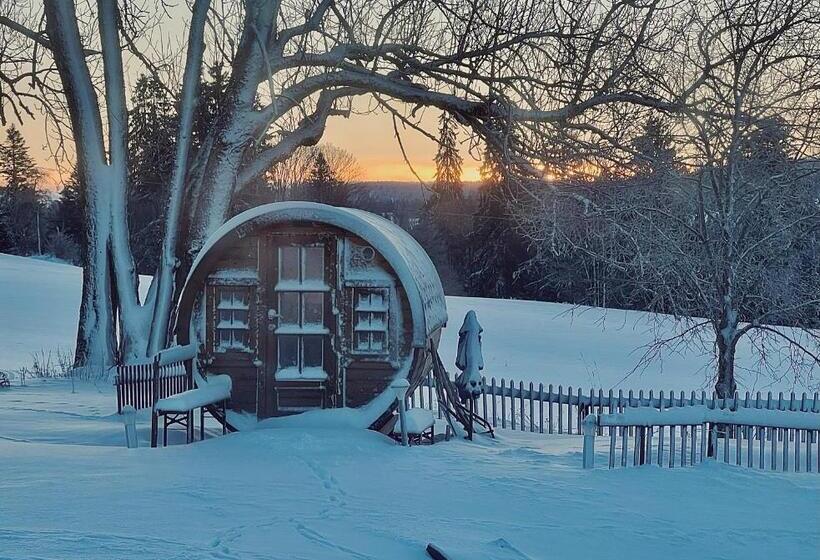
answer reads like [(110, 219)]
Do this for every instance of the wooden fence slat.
[(483, 395), (671, 446), (773, 459), (550, 409), (541, 408), (503, 406), (611, 448), (624, 446), (738, 446), (560, 410), (495, 416), (660, 444), (532, 408), (610, 410)]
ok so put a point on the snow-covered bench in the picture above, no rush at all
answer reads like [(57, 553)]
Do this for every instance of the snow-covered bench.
[(420, 425), (210, 397), (166, 385)]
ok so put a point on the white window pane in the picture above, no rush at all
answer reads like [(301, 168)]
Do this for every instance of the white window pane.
[(362, 321), (312, 351), (288, 351), (224, 337), (225, 316), (225, 297), (378, 320), (313, 305), (362, 341), (377, 341), (314, 263), (240, 319), (289, 308), (289, 263), (240, 298), (377, 299), (364, 299), (240, 339)]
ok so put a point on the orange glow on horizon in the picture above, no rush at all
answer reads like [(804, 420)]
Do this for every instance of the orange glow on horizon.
[(388, 170)]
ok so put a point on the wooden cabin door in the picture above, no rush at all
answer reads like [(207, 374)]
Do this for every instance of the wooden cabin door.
[(299, 364)]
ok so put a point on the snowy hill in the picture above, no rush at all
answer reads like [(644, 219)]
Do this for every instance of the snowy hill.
[(334, 493), (523, 340)]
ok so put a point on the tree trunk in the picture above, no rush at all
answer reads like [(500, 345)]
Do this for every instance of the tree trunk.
[(726, 340), (96, 341)]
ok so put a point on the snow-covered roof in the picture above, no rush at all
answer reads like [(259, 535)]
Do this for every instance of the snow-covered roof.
[(408, 259)]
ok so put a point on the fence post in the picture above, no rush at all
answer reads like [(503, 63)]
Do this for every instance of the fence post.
[(129, 418), (590, 427)]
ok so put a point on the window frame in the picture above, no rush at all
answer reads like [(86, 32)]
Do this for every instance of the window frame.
[(384, 351), (216, 287), (301, 287)]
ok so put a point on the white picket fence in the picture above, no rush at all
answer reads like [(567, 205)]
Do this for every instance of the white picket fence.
[(507, 404), (777, 440)]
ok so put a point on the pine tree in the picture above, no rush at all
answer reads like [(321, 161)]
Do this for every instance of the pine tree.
[(447, 186), (323, 184), (444, 223), (497, 252), (21, 204), (17, 167), (654, 151), (70, 212), (152, 123)]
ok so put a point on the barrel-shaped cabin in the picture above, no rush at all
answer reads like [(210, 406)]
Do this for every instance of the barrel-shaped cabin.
[(309, 306)]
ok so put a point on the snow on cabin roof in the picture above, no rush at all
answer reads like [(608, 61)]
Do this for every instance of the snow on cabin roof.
[(408, 259)]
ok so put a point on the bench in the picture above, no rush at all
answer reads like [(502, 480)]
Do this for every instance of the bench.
[(4, 380), (420, 426), (179, 409), (168, 379)]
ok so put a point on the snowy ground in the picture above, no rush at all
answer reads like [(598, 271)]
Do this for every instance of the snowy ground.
[(69, 488), (67, 492), (523, 340)]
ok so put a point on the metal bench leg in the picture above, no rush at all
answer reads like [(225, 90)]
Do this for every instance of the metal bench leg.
[(189, 426), (164, 430), (224, 417), (154, 428), (202, 423)]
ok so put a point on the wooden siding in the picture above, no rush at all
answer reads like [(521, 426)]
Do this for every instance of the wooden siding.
[(255, 389)]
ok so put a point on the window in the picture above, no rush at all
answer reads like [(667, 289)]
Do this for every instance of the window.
[(301, 331), (232, 331), (370, 307)]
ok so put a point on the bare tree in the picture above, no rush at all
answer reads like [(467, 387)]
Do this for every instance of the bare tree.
[(730, 230), (287, 178), (495, 65)]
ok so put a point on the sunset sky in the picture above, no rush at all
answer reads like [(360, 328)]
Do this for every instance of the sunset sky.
[(369, 137)]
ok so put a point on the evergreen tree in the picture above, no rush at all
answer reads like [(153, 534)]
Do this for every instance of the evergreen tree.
[(70, 212), (447, 186), (152, 123), (444, 223), (21, 204), (498, 254), (17, 167), (323, 184), (654, 152)]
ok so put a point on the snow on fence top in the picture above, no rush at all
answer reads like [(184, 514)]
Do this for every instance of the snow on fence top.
[(692, 415), (407, 258)]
